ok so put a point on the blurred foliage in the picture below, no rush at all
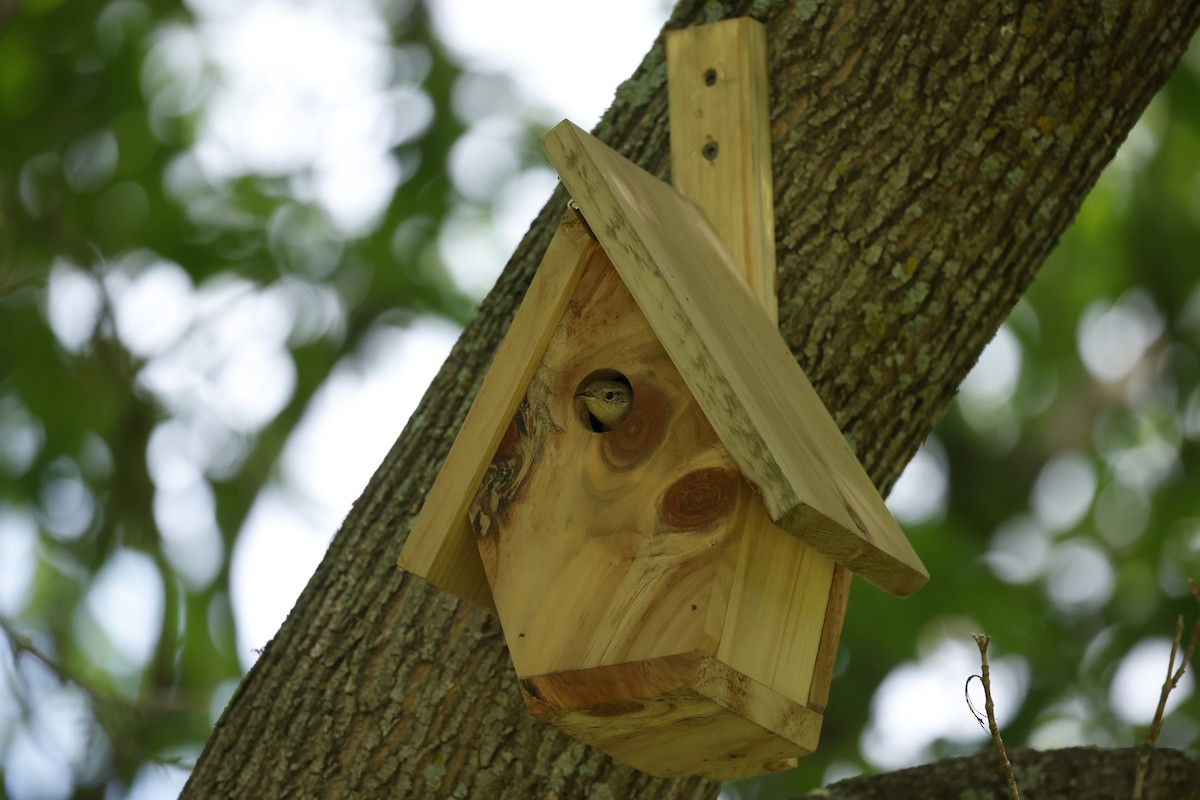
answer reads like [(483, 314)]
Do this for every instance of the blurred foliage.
[(105, 198), (1069, 522)]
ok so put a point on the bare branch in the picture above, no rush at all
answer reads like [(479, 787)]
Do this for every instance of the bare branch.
[(986, 679), (1173, 677), (115, 717)]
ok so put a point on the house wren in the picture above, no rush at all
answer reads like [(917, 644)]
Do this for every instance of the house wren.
[(608, 401)]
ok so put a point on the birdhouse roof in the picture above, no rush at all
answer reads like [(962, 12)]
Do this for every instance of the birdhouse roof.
[(726, 348)]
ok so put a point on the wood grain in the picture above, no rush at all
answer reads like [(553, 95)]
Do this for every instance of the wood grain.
[(777, 607), (721, 141), (440, 547), (610, 554), (831, 633), (734, 362)]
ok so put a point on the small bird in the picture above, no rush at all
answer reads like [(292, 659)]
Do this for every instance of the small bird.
[(608, 402)]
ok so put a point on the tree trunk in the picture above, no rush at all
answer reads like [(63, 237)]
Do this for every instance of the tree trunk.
[(927, 156)]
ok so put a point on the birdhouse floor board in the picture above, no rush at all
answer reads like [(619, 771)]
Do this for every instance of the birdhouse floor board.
[(683, 714)]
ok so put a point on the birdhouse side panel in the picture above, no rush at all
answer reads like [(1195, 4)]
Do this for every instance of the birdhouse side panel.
[(775, 627), (606, 546)]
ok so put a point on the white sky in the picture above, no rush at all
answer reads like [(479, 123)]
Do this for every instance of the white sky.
[(358, 416)]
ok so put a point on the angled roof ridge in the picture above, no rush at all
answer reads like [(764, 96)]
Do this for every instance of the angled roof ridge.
[(734, 362), (441, 547)]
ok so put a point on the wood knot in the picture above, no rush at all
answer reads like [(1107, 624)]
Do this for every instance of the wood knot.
[(504, 478), (699, 499), (857, 520), (639, 435)]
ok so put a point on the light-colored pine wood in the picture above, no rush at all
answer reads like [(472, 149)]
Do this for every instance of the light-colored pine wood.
[(721, 141), (440, 547), (777, 607), (604, 548), (831, 632), (686, 714), (612, 554), (734, 362)]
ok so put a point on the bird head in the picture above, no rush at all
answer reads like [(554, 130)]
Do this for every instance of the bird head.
[(608, 401)]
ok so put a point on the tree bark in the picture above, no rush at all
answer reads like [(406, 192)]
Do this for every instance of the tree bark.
[(1092, 772), (927, 156)]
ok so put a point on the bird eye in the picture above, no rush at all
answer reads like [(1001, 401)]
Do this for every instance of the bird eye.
[(609, 395)]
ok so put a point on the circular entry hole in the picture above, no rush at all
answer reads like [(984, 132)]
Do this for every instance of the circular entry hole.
[(710, 77), (603, 400)]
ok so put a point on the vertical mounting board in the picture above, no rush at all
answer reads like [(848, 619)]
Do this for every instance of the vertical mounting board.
[(718, 102)]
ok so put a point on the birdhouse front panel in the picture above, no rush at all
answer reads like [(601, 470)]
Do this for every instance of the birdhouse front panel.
[(614, 547), (607, 546)]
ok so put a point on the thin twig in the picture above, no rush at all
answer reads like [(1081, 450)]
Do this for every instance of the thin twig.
[(986, 679), (1173, 677), (111, 714)]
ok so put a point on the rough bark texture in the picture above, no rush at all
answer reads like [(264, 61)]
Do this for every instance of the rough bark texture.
[(1069, 774), (927, 157)]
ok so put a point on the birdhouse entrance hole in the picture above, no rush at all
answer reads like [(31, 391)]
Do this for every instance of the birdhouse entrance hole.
[(608, 392)]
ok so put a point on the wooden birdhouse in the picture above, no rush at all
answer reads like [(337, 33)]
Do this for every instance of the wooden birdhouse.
[(670, 581)]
